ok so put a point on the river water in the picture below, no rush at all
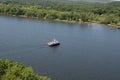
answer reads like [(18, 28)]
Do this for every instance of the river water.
[(87, 51)]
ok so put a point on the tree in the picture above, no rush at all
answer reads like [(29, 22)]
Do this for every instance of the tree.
[(15, 71)]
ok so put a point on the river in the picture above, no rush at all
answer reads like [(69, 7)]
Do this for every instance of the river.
[(87, 51)]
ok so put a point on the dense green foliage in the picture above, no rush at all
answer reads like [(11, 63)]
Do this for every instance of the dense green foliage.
[(66, 1), (108, 13), (15, 71)]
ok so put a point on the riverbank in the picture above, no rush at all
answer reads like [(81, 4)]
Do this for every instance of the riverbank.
[(66, 16), (64, 21)]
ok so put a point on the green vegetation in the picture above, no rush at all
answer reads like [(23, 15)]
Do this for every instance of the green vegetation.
[(107, 13), (15, 71)]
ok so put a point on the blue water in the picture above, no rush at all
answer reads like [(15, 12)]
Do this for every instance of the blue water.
[(87, 51)]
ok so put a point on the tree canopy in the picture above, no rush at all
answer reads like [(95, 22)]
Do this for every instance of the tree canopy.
[(106, 13), (14, 71)]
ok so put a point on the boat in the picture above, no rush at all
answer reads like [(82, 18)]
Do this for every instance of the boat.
[(53, 43)]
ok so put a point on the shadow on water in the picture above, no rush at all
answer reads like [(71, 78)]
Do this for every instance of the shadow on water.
[(84, 25)]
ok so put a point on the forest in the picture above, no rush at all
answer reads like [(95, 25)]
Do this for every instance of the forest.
[(102, 13), (14, 71)]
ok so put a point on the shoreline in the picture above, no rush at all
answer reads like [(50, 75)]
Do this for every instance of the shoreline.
[(58, 20)]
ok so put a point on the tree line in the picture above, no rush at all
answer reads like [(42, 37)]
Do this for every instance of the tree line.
[(108, 13)]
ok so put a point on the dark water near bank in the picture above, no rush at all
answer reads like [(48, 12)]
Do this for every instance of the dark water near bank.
[(87, 52)]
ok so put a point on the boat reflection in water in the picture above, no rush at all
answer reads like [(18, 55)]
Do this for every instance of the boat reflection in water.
[(53, 43)]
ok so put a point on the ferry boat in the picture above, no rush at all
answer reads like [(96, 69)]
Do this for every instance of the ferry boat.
[(53, 43)]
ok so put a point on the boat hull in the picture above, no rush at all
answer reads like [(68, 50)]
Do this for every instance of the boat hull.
[(52, 45)]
